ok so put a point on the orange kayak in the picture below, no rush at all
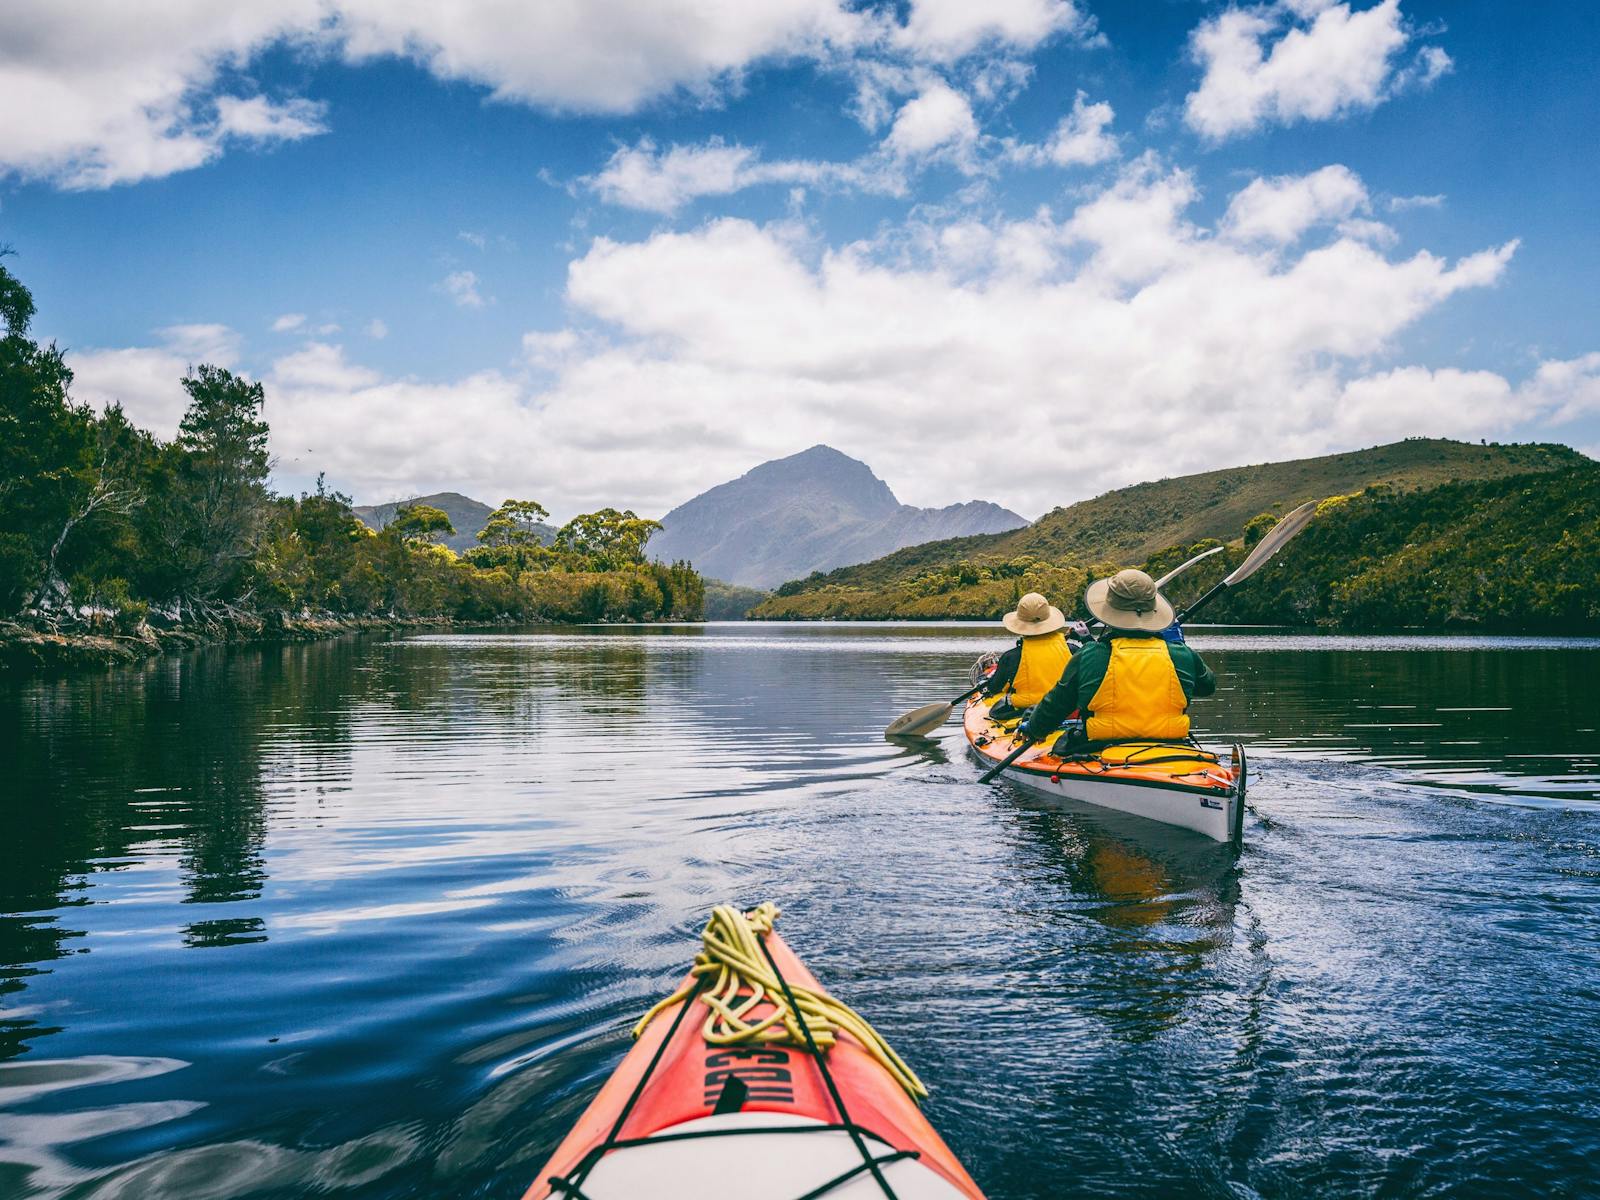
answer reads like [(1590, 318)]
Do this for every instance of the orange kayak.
[(682, 1116), (1176, 783)]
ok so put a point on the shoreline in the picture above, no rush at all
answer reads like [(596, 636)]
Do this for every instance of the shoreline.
[(27, 650)]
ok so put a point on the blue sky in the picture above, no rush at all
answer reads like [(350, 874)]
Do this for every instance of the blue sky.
[(1021, 251)]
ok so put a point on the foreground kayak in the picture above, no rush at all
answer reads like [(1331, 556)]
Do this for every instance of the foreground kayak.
[(1176, 783), (723, 1094)]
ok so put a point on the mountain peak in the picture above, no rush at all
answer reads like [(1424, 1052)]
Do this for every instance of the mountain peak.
[(810, 511)]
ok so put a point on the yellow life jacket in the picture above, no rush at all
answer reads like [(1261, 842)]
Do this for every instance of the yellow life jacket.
[(1140, 696), (1044, 659)]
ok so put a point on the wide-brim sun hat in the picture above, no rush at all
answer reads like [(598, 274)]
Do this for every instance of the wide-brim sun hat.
[(1129, 600), (1034, 615)]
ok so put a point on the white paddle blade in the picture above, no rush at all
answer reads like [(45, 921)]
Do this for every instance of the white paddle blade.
[(919, 721), (1182, 567), (1277, 538)]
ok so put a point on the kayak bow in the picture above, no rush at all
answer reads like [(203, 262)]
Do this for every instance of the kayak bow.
[(747, 1054)]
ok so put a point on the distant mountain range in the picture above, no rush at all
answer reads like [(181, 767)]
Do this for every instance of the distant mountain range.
[(812, 511), (974, 576), (468, 516)]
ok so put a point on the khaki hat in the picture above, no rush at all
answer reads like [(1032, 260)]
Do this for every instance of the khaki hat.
[(1129, 600), (1034, 615)]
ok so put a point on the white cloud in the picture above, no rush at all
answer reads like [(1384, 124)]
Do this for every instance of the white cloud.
[(146, 381), (104, 93), (944, 30), (202, 343), (936, 125), (1342, 61), (101, 93), (1112, 331), (641, 177), (1570, 389), (1406, 203), (462, 288), (1081, 138), (288, 323), (938, 121), (1281, 209), (476, 240), (258, 119), (645, 177), (376, 329)]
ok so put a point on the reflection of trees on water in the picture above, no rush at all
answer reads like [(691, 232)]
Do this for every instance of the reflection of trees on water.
[(164, 760)]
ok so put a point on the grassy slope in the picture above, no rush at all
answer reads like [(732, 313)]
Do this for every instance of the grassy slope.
[(1134, 524)]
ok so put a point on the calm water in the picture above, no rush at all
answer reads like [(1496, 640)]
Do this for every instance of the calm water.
[(371, 918)]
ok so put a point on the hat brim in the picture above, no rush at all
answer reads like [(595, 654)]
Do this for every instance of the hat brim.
[(1155, 621), (1055, 619)]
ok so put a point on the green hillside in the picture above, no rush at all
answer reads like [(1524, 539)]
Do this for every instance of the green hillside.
[(1516, 553), (981, 576)]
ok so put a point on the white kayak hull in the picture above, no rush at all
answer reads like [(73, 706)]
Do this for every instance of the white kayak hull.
[(1215, 816)]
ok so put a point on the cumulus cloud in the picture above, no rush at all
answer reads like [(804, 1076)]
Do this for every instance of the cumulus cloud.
[(938, 121), (147, 380), (1406, 203), (1079, 139), (1329, 61), (1112, 331), (110, 93), (936, 125), (951, 29), (288, 323), (1281, 209), (103, 93), (257, 119), (462, 288), (646, 177)]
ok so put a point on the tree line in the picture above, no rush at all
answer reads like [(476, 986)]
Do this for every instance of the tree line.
[(103, 521)]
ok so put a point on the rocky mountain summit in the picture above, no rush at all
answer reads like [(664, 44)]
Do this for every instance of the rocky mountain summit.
[(812, 511)]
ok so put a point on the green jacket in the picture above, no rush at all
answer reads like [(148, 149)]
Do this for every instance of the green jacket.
[(1087, 670)]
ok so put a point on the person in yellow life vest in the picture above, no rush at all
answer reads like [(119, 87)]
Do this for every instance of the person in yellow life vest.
[(1031, 668), (1132, 684)]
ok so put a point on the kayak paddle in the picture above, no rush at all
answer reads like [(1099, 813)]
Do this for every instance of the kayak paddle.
[(1277, 538), (924, 720), (1182, 567)]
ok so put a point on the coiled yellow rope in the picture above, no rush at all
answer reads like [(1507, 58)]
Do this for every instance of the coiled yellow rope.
[(731, 952)]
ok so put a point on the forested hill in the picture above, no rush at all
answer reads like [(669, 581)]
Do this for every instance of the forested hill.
[(107, 528), (1160, 522)]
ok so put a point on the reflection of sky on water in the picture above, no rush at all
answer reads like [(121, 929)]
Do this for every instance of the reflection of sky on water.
[(396, 903)]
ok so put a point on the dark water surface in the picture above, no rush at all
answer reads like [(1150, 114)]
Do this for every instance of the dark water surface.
[(372, 918)]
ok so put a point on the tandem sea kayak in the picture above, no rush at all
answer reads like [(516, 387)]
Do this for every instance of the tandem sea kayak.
[(752, 1081), (1176, 783)]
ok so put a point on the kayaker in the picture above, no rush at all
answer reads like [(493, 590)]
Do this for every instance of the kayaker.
[(1033, 666), (1133, 683)]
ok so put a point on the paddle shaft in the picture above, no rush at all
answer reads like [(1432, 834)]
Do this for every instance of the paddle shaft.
[(1202, 602), (1005, 762)]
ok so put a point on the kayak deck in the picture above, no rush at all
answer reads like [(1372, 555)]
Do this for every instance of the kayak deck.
[(1176, 783), (681, 1115)]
